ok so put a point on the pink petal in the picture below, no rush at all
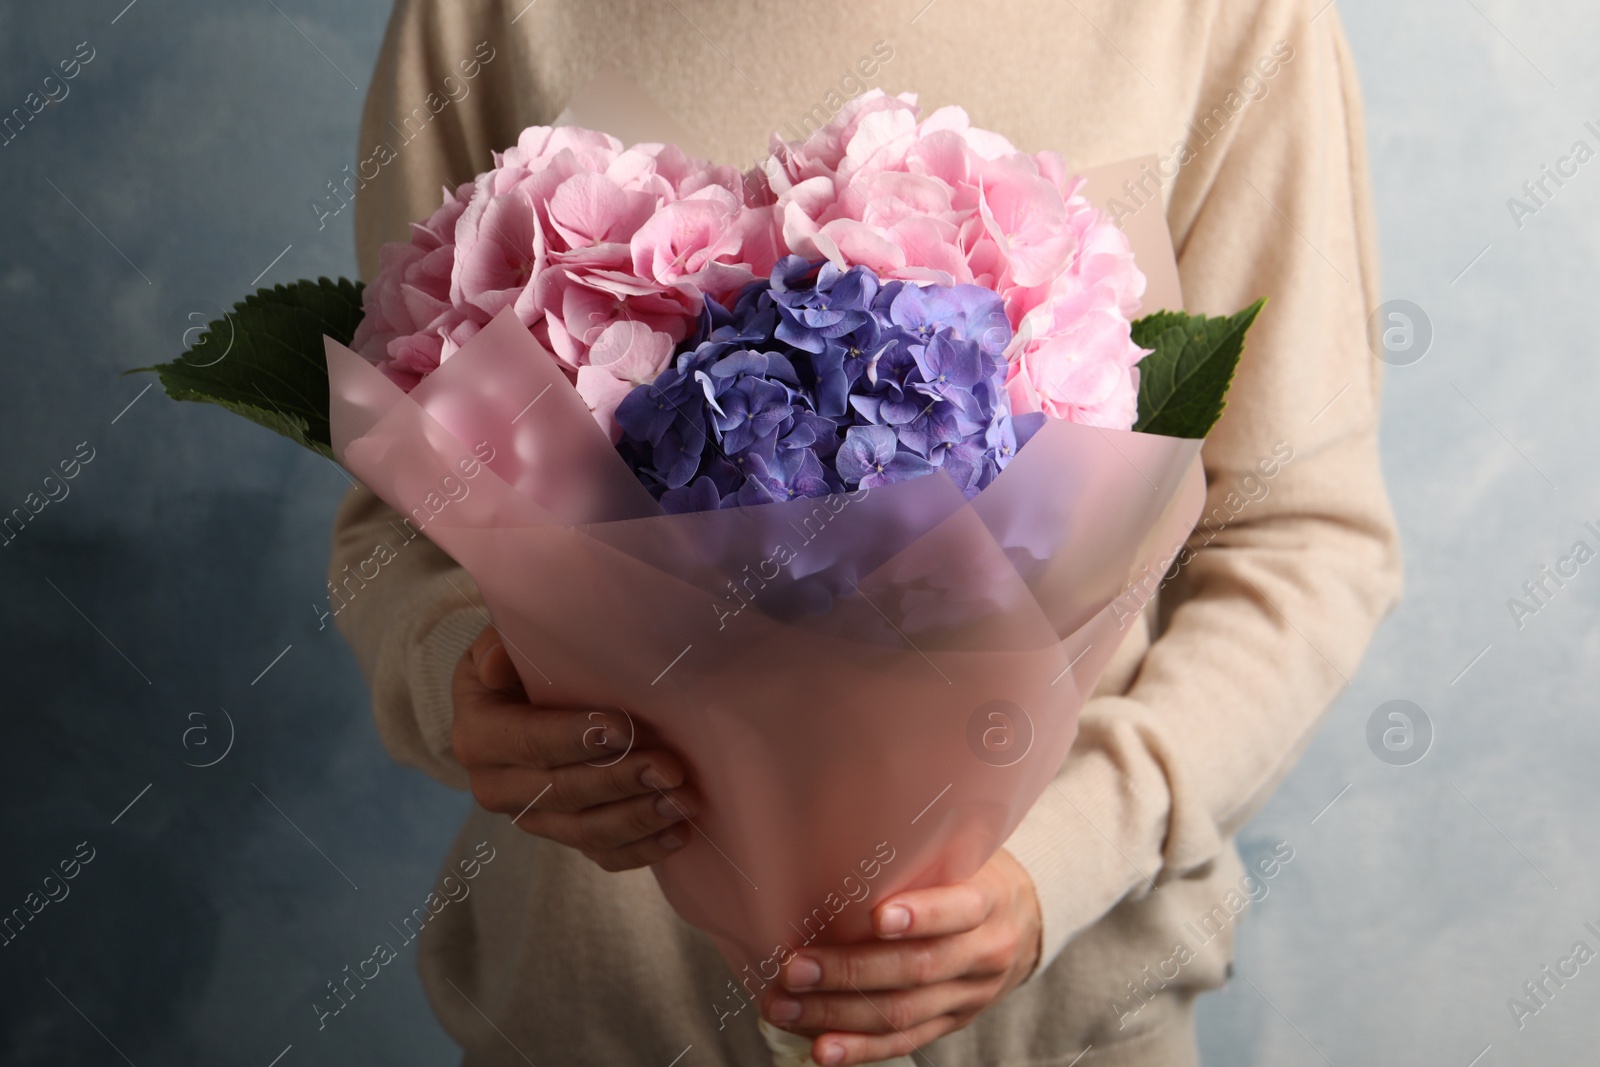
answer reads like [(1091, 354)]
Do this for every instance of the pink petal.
[(499, 247), (930, 251), (588, 208), (603, 392), (631, 351), (683, 237), (880, 141), (863, 245)]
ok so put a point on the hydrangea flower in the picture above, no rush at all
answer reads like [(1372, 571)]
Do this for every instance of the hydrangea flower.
[(821, 380), (932, 198), (589, 242)]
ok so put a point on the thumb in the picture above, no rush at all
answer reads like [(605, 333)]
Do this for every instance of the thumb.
[(495, 669)]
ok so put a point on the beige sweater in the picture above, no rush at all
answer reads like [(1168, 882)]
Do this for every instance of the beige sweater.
[(554, 961)]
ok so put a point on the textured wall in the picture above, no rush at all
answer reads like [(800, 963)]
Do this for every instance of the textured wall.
[(1422, 900), (176, 576), (185, 557)]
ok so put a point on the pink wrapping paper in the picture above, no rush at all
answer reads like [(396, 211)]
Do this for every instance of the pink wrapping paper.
[(869, 690)]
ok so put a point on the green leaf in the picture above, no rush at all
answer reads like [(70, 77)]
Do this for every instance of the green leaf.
[(264, 359), (1183, 380)]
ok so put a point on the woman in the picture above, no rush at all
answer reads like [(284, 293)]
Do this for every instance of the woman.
[(1087, 938)]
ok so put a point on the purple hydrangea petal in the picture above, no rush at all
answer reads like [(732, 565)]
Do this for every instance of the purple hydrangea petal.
[(865, 451), (903, 467), (701, 495)]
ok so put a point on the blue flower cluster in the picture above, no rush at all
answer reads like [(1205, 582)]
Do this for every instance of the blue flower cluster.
[(822, 381)]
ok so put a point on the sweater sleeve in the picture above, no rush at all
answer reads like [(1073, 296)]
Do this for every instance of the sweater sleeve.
[(430, 120), (1283, 582)]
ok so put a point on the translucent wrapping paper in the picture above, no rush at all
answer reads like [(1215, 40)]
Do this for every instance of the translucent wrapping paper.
[(869, 690)]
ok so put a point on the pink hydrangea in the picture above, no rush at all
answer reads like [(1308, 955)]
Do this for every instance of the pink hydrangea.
[(578, 235), (937, 199)]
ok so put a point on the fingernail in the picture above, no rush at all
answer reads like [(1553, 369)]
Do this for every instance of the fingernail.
[(830, 1053), (669, 808), (802, 973), (654, 779), (671, 840), (893, 920), (784, 1010)]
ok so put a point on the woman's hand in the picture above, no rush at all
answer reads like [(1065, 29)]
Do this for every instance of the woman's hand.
[(564, 773), (942, 956)]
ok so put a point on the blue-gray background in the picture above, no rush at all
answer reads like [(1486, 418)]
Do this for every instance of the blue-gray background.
[(189, 555)]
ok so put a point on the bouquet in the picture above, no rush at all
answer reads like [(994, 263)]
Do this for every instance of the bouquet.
[(827, 473)]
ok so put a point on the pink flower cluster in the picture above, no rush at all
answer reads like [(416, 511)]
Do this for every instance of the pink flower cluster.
[(606, 253), (936, 199)]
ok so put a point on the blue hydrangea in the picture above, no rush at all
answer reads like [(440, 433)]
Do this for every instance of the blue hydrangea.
[(820, 380)]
